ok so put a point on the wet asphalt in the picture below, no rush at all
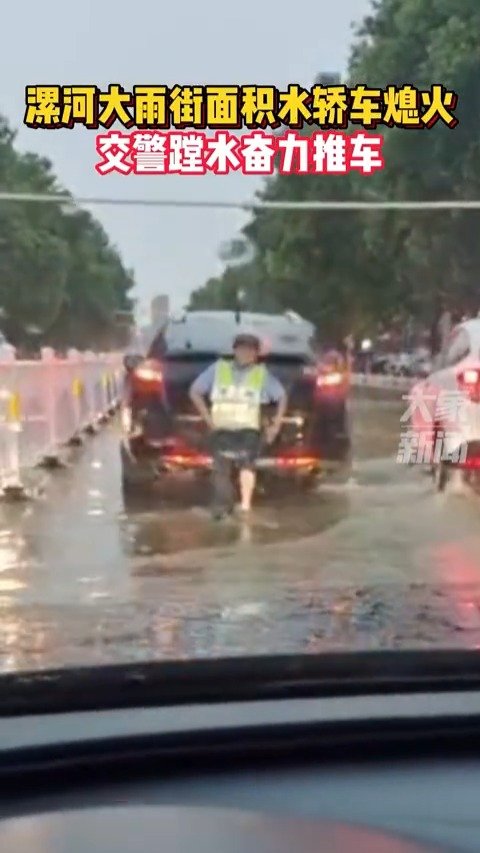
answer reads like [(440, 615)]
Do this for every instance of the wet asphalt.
[(376, 561)]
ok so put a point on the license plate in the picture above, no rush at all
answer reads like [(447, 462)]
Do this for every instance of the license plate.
[(232, 454), (266, 462)]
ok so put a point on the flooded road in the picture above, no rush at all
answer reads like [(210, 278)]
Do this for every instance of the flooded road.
[(379, 561)]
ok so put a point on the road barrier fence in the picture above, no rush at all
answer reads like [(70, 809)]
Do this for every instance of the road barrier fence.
[(49, 403)]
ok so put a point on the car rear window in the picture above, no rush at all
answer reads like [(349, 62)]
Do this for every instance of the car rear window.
[(288, 358), (197, 334)]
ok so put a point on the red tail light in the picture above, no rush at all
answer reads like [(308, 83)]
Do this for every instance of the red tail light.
[(148, 375), (469, 382), (177, 452), (325, 377), (296, 461), (191, 460), (472, 464)]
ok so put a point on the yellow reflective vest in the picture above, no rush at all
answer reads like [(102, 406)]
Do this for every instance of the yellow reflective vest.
[(237, 405)]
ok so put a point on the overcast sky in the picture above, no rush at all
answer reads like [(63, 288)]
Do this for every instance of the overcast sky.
[(151, 42)]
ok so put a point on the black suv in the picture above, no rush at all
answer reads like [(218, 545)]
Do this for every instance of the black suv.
[(164, 433)]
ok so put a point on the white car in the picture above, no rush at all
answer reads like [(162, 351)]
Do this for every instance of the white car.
[(400, 364), (444, 407)]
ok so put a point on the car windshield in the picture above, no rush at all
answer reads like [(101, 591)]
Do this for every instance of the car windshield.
[(240, 331)]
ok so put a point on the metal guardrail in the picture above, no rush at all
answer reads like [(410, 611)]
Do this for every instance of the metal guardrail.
[(49, 403), (382, 381)]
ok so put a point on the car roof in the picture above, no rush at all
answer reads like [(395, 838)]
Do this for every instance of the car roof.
[(214, 331)]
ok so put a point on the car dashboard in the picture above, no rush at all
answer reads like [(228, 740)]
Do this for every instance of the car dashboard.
[(396, 774)]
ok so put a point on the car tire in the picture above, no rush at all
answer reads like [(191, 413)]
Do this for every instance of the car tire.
[(439, 470), (135, 475), (310, 482), (344, 472), (440, 476), (339, 475)]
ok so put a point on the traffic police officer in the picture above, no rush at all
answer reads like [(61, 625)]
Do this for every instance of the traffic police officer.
[(236, 392)]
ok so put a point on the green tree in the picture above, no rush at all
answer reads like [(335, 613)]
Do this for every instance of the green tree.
[(350, 270), (434, 255), (97, 286), (303, 259), (61, 281)]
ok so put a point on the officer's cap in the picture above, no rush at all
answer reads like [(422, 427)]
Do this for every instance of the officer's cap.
[(247, 340)]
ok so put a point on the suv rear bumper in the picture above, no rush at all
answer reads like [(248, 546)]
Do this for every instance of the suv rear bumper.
[(163, 457), (277, 465), (280, 464), (324, 445)]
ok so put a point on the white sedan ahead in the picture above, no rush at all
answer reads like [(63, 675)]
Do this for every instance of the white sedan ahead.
[(444, 408)]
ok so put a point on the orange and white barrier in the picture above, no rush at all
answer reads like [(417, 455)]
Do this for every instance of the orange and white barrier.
[(48, 403)]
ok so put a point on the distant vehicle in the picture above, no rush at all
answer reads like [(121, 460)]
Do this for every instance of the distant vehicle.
[(379, 363), (400, 364), (165, 434), (421, 366), (445, 405)]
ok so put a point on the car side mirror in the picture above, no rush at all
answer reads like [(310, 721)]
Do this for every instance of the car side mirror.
[(131, 361)]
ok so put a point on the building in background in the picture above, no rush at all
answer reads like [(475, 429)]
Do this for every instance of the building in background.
[(150, 319), (159, 311)]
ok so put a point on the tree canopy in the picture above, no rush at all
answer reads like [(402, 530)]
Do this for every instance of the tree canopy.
[(349, 270), (61, 280)]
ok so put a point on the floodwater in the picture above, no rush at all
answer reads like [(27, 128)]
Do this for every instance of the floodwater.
[(378, 561)]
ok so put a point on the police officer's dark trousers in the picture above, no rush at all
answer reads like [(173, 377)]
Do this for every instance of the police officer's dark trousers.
[(245, 445)]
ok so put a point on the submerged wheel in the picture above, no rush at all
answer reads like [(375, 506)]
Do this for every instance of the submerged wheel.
[(345, 471), (440, 476), (135, 475), (439, 470), (310, 482)]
